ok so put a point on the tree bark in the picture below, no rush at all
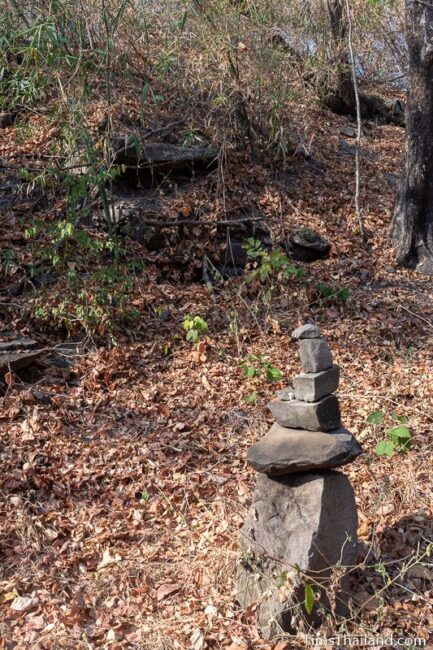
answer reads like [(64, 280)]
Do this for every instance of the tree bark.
[(336, 20), (339, 95), (412, 227)]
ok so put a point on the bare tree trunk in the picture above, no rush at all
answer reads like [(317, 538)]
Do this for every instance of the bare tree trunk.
[(339, 96), (412, 228), (336, 20)]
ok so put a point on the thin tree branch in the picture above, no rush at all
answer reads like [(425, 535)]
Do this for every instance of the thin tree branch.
[(359, 123), (161, 129), (425, 4), (192, 222)]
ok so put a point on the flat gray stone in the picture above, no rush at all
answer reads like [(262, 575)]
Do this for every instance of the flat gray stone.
[(323, 415), (312, 387), (18, 360), (308, 520), (288, 451), (348, 131), (315, 355), (11, 344), (306, 245), (307, 331)]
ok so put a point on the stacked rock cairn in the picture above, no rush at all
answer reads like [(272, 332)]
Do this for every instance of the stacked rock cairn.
[(301, 526)]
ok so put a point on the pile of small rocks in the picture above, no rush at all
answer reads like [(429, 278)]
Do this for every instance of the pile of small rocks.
[(302, 514)]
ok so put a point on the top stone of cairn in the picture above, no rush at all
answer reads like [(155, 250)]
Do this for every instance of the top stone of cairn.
[(307, 331)]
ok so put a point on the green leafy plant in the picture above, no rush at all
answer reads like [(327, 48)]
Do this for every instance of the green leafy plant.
[(25, 55), (398, 437), (270, 263), (246, 557), (332, 294), (8, 261), (281, 579), (100, 305), (251, 398), (255, 365), (380, 3), (194, 327), (145, 496), (308, 599), (65, 242), (382, 571), (191, 137)]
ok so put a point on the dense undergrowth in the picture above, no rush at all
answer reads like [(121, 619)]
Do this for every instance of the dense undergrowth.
[(223, 73)]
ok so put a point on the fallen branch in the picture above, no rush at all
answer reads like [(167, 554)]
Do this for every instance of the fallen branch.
[(167, 127), (193, 222), (161, 129), (12, 305), (412, 313)]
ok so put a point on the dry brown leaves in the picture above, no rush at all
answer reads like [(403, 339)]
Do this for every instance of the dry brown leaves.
[(123, 496)]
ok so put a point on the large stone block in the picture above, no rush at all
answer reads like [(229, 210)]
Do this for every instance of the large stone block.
[(308, 521), (315, 355), (287, 451), (312, 387), (323, 415)]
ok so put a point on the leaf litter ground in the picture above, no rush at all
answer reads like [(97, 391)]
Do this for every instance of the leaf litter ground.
[(124, 482)]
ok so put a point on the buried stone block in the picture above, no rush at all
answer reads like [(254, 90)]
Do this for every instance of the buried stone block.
[(311, 387), (306, 521), (306, 245), (323, 415)]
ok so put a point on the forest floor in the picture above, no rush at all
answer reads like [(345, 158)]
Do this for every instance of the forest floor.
[(124, 482)]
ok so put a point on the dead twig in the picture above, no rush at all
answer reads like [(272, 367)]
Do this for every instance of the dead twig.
[(193, 222), (161, 129), (12, 305), (358, 120), (412, 313)]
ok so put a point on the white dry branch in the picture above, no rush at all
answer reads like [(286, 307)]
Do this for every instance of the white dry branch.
[(358, 210)]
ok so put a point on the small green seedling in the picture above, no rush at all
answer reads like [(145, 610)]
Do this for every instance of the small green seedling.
[(282, 579), (308, 599), (251, 398), (270, 263), (332, 294), (145, 496), (254, 365), (194, 327), (398, 438), (381, 570)]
